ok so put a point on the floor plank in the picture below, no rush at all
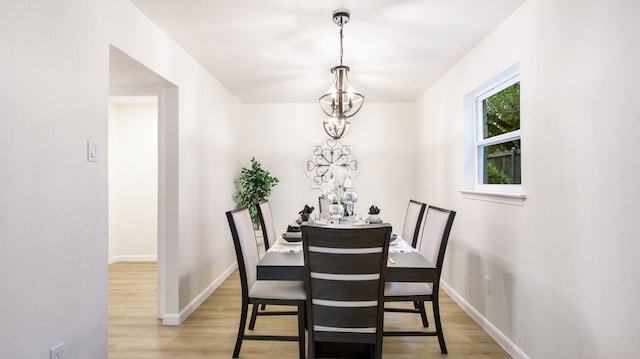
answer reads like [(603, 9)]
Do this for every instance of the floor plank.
[(210, 332)]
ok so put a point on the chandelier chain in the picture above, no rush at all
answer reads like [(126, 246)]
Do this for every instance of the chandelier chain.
[(341, 43)]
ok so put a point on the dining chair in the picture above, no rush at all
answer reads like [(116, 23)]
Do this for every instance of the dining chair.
[(266, 223), (410, 231), (435, 235), (412, 221), (269, 237), (345, 271), (256, 292), (323, 207)]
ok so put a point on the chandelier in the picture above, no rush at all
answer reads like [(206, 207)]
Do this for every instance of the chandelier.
[(341, 101)]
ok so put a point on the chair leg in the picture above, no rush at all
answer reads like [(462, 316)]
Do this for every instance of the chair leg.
[(264, 306), (436, 316), (301, 328), (311, 345), (377, 347), (254, 315), (423, 313), (377, 352), (241, 326)]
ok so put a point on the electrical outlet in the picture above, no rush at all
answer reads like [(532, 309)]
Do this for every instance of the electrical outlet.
[(57, 352), (487, 284)]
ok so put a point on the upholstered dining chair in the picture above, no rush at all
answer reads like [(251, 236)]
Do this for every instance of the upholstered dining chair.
[(412, 221), (254, 291), (435, 235), (266, 223), (345, 271), (269, 237), (410, 231)]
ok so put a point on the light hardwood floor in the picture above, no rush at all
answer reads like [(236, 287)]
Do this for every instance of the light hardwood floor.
[(210, 332)]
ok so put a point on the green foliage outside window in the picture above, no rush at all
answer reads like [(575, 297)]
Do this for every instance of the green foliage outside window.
[(501, 115), (495, 176)]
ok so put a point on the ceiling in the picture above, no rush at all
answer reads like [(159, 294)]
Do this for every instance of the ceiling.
[(127, 73), (280, 51)]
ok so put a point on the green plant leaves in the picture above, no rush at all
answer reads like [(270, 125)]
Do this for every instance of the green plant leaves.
[(255, 185)]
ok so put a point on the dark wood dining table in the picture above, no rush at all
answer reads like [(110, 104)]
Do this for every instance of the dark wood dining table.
[(403, 267)]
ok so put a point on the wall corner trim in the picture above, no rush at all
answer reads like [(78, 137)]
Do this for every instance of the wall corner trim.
[(483, 322), (177, 319)]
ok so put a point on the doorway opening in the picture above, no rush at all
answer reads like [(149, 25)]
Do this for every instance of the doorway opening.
[(133, 178), (145, 110)]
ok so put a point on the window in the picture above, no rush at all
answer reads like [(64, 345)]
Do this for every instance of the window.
[(493, 138), (498, 144)]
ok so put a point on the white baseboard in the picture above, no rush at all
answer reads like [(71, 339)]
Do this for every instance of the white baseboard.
[(133, 258), (496, 334), (177, 319)]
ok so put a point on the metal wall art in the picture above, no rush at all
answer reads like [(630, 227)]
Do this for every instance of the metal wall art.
[(327, 158)]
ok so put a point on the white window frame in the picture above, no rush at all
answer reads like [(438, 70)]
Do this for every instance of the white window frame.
[(475, 143)]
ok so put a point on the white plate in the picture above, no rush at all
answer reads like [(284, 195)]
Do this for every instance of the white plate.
[(285, 243)]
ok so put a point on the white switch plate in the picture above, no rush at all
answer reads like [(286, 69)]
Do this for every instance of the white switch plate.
[(487, 284), (57, 352), (92, 151)]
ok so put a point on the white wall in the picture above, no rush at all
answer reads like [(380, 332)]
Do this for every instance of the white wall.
[(54, 87), (382, 139), (563, 266), (53, 203), (133, 178)]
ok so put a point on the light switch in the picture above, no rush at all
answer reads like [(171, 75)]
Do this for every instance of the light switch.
[(92, 151)]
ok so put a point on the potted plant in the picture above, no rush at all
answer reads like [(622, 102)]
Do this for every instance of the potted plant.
[(254, 186)]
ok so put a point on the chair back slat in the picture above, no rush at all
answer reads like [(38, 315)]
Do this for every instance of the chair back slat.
[(412, 221), (344, 272), (266, 223), (346, 319), (327, 263), (343, 290)]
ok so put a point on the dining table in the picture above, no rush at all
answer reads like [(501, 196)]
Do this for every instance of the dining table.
[(285, 261)]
